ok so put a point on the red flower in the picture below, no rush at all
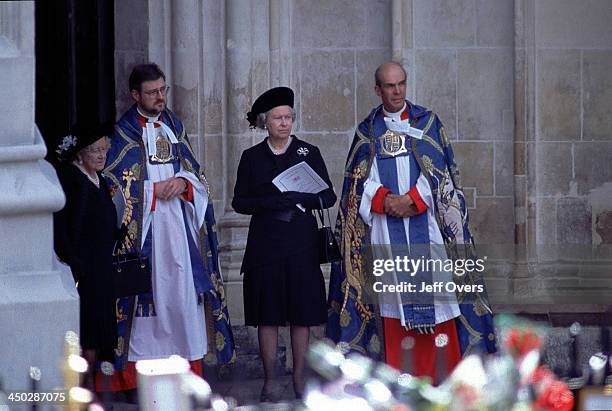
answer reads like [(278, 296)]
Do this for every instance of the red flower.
[(520, 342), (529, 341), (512, 340), (541, 376), (555, 396), (467, 394)]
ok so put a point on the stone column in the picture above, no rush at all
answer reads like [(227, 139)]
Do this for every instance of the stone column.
[(524, 100), (401, 39), (211, 102), (186, 65), (281, 61), (158, 45), (247, 75), (38, 304), (401, 28)]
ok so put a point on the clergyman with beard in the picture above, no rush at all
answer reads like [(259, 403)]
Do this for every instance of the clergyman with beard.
[(170, 220)]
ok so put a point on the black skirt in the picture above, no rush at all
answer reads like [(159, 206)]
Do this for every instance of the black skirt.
[(98, 319), (290, 291)]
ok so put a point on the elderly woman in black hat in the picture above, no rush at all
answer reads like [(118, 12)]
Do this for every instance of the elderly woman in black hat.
[(283, 282), (84, 235)]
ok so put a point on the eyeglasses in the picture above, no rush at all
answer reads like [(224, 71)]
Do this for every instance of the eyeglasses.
[(162, 91), (99, 150)]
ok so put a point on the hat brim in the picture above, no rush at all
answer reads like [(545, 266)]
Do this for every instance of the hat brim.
[(81, 136), (275, 97)]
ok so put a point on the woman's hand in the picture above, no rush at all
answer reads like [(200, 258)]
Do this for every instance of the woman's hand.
[(291, 198), (283, 201), (307, 200)]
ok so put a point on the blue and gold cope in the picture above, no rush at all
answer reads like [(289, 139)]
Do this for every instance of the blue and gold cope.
[(355, 323), (126, 170)]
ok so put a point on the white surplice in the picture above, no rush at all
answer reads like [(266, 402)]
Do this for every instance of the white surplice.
[(178, 328), (445, 304)]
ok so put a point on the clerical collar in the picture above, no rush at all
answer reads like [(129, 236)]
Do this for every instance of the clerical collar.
[(148, 119), (398, 115)]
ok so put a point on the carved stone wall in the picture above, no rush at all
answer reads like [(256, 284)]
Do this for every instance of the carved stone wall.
[(519, 84)]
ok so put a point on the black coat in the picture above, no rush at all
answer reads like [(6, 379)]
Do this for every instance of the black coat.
[(271, 238), (84, 236)]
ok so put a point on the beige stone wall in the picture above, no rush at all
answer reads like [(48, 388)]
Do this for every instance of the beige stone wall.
[(337, 45), (462, 54), (563, 145), (573, 130), (522, 87)]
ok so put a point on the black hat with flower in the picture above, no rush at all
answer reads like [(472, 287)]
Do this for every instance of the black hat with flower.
[(81, 135)]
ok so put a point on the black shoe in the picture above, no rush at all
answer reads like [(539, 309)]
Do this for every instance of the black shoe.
[(265, 396)]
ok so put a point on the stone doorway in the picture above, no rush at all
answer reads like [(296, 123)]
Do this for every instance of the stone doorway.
[(74, 65)]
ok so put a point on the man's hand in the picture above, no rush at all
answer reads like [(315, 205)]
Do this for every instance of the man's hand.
[(170, 188), (400, 206)]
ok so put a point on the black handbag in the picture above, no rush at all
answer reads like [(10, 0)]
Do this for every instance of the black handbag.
[(131, 274), (328, 246)]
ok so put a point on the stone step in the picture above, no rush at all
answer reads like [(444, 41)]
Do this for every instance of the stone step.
[(556, 353)]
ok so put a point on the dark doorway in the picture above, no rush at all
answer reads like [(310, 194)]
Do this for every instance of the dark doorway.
[(75, 79)]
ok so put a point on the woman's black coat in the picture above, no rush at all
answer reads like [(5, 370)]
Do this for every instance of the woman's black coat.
[(278, 228)]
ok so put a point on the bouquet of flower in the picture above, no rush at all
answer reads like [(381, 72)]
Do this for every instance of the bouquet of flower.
[(523, 339), (551, 394), (512, 379)]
